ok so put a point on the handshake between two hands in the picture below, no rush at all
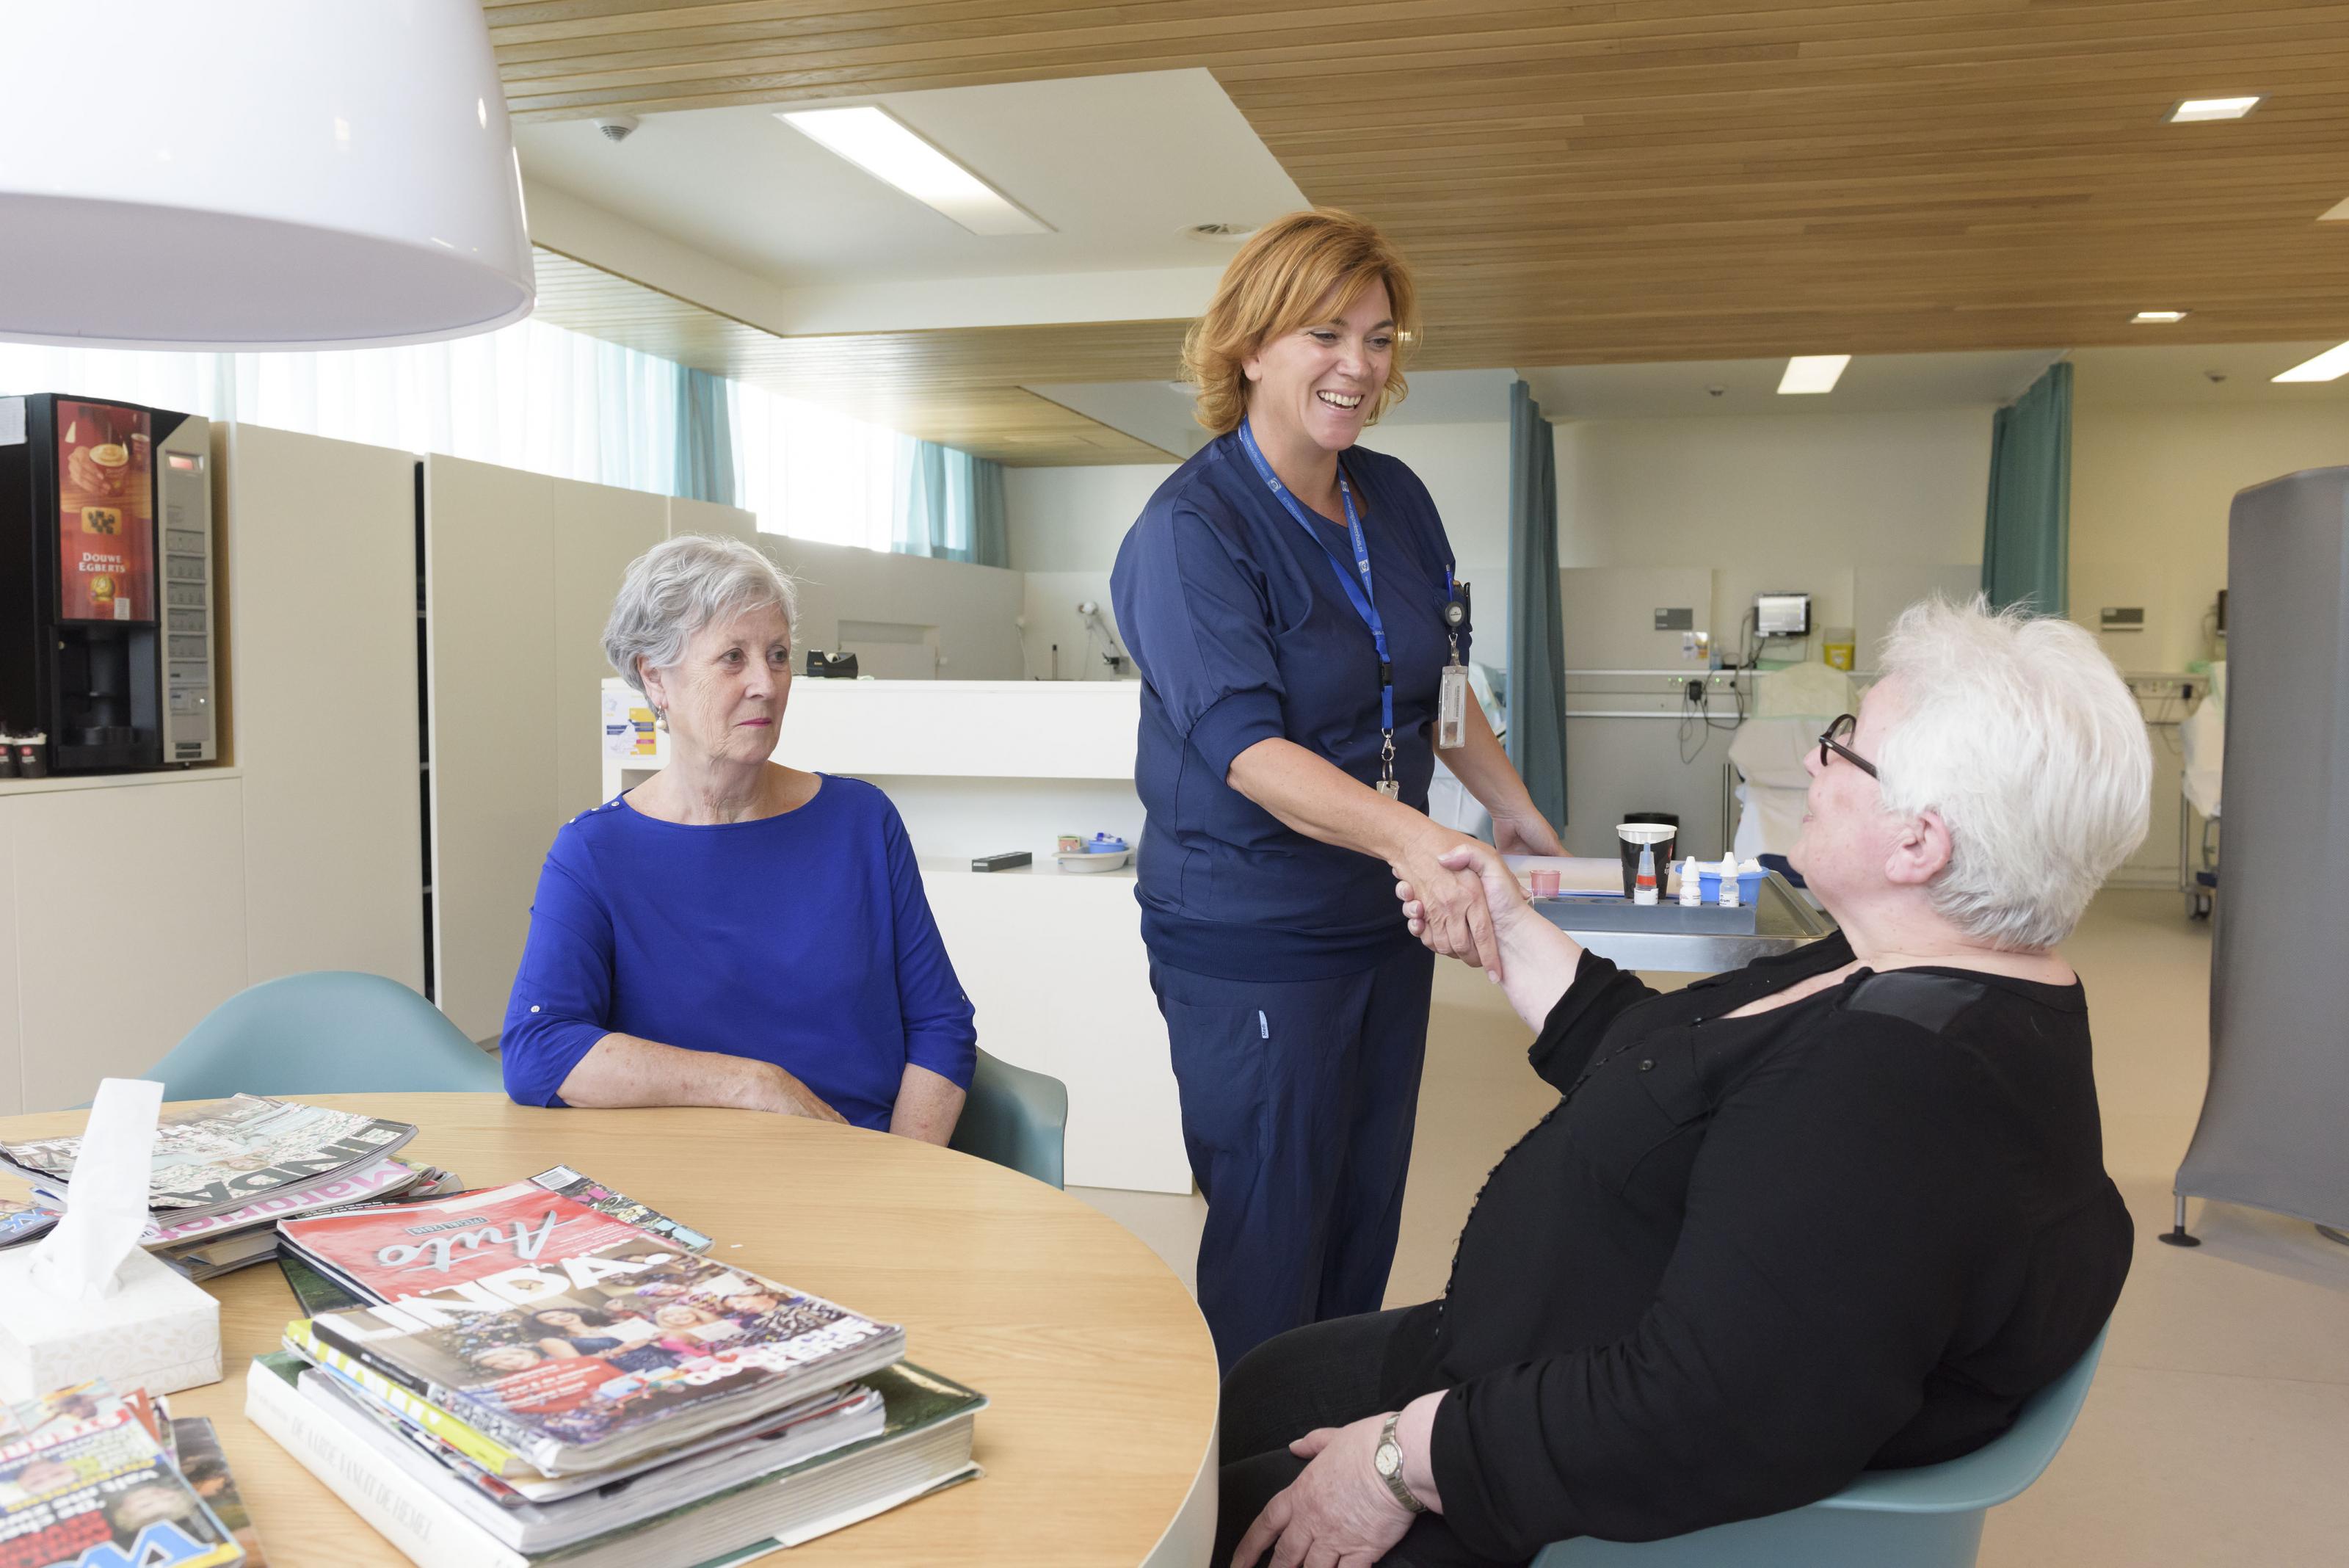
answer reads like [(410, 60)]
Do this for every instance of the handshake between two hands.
[(1460, 897)]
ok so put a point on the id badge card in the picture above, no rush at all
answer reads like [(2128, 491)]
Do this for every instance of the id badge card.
[(1451, 708)]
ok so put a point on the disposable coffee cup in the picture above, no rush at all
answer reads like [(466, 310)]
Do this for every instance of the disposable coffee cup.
[(1630, 838)]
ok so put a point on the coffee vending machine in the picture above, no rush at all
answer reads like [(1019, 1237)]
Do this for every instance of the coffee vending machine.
[(106, 583)]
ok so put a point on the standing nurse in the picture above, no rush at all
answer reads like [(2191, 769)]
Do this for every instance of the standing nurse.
[(1289, 599)]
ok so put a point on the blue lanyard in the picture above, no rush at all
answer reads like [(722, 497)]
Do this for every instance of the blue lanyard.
[(1360, 596)]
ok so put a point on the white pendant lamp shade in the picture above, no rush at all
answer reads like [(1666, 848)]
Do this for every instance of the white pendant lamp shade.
[(256, 174)]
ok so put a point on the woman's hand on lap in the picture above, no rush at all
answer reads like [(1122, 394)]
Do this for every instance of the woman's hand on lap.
[(1338, 1513)]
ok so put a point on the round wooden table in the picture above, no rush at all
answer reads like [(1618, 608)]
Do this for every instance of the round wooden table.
[(1099, 1442)]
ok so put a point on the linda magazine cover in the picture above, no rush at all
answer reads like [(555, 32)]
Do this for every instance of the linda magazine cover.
[(574, 1337)]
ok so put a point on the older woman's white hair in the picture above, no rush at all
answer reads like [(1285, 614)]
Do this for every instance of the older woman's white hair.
[(2022, 736), (680, 586)]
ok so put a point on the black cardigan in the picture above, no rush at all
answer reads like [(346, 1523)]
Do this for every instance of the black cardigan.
[(1743, 1260)]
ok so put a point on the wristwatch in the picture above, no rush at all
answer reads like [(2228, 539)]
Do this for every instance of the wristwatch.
[(1389, 1462)]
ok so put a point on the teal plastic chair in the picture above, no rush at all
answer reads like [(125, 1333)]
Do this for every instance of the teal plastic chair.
[(1016, 1117), (1929, 1517), (331, 1031)]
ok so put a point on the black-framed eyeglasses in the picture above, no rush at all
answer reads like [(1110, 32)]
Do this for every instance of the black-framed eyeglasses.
[(1832, 741)]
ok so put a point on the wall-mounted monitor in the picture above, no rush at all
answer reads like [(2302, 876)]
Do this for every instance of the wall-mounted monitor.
[(1782, 615)]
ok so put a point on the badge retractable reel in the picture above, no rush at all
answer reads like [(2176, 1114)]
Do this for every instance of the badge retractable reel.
[(1452, 694)]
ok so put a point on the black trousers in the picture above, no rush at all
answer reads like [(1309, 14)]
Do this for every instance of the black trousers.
[(1327, 1374)]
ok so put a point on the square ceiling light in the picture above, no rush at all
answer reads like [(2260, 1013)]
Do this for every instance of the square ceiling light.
[(2201, 111), (2157, 317), (883, 147), (1812, 373), (2329, 366)]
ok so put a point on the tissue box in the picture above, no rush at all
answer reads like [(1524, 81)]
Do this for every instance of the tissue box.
[(157, 1332)]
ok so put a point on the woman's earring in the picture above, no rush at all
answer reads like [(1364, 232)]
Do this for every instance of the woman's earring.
[(660, 718)]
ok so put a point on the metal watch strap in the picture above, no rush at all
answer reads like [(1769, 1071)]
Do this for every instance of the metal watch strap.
[(1394, 1480)]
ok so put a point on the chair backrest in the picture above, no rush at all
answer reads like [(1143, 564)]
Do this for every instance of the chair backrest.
[(1929, 1517), (1014, 1117), (326, 1033), (1994, 1473)]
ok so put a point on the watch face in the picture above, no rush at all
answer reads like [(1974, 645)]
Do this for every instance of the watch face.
[(1389, 1459)]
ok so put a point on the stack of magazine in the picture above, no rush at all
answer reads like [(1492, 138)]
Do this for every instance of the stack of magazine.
[(546, 1372), (89, 1479), (225, 1174)]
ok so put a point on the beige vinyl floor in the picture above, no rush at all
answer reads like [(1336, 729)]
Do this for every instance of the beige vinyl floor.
[(2217, 1429)]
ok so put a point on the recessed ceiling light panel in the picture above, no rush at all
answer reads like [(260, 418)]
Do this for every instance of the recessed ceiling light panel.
[(2200, 111), (2159, 317), (2329, 366), (880, 144), (1812, 373)]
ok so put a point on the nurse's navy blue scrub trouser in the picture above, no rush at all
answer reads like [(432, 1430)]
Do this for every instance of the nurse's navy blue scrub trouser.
[(1297, 1103)]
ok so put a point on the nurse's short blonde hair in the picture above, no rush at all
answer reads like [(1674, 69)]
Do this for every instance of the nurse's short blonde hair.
[(1275, 286), (2020, 735)]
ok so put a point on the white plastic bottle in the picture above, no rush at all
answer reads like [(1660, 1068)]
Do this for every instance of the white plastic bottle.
[(1643, 887), (1729, 881), (1692, 885)]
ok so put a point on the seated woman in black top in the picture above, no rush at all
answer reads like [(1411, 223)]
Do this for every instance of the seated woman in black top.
[(1840, 1210)]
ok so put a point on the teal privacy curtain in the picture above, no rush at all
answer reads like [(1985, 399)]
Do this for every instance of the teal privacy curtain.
[(1536, 699), (705, 439), (2026, 545), (949, 504)]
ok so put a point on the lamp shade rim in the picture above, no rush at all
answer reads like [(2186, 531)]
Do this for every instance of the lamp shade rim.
[(228, 269)]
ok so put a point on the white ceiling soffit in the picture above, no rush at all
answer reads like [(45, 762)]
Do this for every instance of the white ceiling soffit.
[(2179, 375), (1882, 383), (1160, 411), (1120, 166)]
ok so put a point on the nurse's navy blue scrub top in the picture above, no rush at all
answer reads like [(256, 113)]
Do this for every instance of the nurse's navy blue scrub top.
[(1242, 631)]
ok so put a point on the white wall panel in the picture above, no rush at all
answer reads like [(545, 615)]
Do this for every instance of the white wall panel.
[(709, 517), (490, 565), (596, 530), (322, 600), (130, 925), (974, 610)]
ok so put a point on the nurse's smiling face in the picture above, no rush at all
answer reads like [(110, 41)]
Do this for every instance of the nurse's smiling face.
[(1315, 386)]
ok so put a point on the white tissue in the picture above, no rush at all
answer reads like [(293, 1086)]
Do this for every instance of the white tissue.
[(106, 1198)]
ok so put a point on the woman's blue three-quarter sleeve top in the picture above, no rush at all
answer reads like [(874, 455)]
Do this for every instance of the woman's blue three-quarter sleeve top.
[(1242, 633), (803, 939)]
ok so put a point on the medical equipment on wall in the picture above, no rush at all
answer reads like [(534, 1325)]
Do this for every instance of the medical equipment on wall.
[(1782, 615), (1096, 625)]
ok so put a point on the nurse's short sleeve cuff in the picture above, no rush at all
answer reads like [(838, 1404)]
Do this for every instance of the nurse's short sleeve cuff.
[(1237, 721)]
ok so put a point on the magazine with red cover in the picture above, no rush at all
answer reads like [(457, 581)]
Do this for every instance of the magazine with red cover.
[(447, 1248), (579, 1362)]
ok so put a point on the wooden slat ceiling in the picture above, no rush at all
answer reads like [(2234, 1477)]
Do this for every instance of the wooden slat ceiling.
[(1665, 180), (959, 388)]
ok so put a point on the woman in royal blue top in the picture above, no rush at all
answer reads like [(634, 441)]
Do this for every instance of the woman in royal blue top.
[(734, 933), (1285, 596)]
